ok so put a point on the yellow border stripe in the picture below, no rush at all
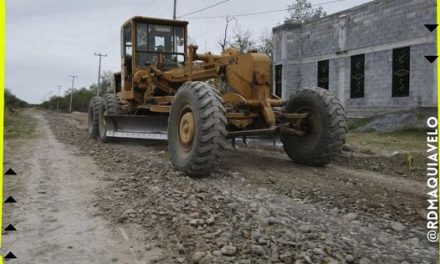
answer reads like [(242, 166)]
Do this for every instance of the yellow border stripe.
[(2, 96), (2, 105)]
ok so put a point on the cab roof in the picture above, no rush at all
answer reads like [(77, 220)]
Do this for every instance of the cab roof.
[(158, 21)]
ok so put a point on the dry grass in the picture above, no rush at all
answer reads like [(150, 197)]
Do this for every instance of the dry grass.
[(18, 124), (387, 142)]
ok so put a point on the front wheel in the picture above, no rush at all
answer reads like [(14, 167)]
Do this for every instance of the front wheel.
[(196, 128), (110, 106), (93, 117), (325, 128)]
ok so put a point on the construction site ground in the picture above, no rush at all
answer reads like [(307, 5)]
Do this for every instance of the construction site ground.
[(82, 201)]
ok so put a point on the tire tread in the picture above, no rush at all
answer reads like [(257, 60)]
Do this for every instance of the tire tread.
[(336, 129), (212, 128)]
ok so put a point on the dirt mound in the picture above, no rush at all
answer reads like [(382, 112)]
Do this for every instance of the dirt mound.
[(398, 121), (403, 164)]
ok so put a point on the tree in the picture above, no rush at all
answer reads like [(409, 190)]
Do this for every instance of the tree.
[(303, 10), (12, 101), (265, 44), (80, 102), (243, 41), (224, 43), (106, 80), (81, 96)]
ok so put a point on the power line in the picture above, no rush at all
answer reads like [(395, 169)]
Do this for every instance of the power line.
[(241, 15), (205, 8), (145, 8), (108, 42), (262, 12), (163, 10), (163, 7)]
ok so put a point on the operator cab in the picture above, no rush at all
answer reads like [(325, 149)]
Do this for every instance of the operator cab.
[(151, 41), (154, 40)]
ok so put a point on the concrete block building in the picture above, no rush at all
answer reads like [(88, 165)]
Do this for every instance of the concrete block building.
[(370, 56)]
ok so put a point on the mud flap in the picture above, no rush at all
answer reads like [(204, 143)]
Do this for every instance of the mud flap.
[(136, 126)]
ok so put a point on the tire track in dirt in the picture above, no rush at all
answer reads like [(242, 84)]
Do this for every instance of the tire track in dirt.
[(54, 216)]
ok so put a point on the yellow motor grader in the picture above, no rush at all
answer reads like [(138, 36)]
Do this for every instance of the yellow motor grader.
[(168, 91)]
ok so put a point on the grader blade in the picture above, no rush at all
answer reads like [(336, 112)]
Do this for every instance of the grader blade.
[(142, 127)]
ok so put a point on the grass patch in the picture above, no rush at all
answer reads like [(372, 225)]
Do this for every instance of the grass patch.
[(388, 142), (354, 123), (18, 124)]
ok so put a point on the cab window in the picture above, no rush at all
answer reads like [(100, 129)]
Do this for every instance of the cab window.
[(155, 39)]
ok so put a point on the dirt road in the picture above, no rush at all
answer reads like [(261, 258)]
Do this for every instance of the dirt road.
[(76, 195), (55, 217)]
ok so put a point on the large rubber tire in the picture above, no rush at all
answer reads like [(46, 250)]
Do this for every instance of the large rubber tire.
[(110, 106), (93, 117), (326, 127), (199, 156)]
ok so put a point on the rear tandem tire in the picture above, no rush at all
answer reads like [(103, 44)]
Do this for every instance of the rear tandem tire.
[(196, 128), (93, 117), (110, 106), (326, 127)]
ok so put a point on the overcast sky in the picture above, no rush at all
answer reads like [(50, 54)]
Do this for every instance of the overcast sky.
[(47, 40)]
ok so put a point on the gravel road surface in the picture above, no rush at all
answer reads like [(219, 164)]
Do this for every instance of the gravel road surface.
[(121, 202)]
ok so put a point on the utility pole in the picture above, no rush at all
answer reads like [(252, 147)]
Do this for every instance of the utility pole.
[(58, 99), (174, 10), (99, 70), (50, 99), (71, 91), (47, 98)]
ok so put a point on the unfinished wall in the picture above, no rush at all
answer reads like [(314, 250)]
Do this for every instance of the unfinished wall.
[(373, 29)]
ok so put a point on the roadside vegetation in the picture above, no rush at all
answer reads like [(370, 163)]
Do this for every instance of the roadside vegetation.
[(12, 101), (80, 96), (17, 123)]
